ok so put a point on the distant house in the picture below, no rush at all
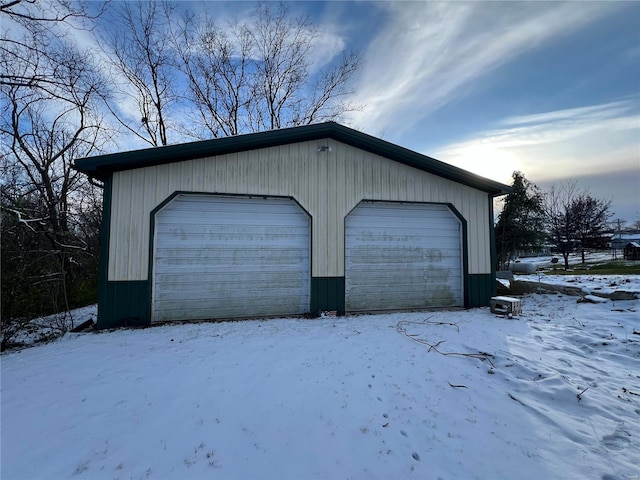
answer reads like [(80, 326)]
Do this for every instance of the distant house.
[(289, 222), (632, 251), (620, 240)]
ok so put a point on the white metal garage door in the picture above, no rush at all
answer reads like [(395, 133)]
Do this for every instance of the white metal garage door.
[(402, 256), (225, 257)]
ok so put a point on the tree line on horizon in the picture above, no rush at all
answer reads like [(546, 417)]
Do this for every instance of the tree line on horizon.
[(161, 75)]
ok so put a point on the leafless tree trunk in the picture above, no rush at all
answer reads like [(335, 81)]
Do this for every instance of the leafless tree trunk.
[(248, 77), (38, 20), (142, 59), (591, 215), (574, 216), (45, 131), (43, 128), (558, 212), (218, 68)]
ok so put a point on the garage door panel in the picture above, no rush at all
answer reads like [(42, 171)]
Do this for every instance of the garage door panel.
[(394, 254), (402, 256), (233, 242), (234, 296), (386, 296), (399, 283), (251, 300), (250, 258), (233, 310), (282, 236), (228, 217), (195, 281), (228, 230), (226, 257)]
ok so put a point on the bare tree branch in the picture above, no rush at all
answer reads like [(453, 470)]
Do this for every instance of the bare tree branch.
[(574, 216), (247, 77), (141, 55), (45, 126)]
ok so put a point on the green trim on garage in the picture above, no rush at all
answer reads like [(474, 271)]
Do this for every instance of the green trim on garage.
[(103, 270), (125, 304), (481, 288), (327, 294), (466, 295), (492, 243)]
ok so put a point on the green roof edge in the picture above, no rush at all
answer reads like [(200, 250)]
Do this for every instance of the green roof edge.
[(103, 165)]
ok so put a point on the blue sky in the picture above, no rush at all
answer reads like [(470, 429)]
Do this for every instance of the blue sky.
[(551, 89)]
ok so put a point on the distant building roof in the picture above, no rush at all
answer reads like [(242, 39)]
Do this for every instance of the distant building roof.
[(621, 240), (626, 236)]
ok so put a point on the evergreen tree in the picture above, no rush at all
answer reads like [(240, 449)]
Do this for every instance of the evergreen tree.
[(520, 225)]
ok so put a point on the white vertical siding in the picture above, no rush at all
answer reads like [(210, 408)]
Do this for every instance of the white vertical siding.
[(327, 184)]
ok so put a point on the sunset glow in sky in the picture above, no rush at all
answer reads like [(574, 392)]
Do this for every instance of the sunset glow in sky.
[(551, 89)]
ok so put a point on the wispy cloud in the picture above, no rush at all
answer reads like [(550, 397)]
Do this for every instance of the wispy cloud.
[(599, 145), (575, 116), (549, 145), (429, 54)]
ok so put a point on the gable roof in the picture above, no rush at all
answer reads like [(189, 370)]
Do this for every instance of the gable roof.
[(103, 165)]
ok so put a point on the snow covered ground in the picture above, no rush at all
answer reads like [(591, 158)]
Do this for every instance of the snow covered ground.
[(52, 326), (596, 257), (553, 393)]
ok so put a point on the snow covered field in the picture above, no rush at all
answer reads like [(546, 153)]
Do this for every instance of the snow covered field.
[(553, 393)]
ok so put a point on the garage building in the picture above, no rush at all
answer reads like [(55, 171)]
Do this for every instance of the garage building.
[(289, 222)]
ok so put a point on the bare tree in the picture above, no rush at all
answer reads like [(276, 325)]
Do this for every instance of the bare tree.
[(574, 217), (42, 130), (590, 220), (35, 11), (254, 76), (140, 53), (283, 48), (218, 67), (37, 19)]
